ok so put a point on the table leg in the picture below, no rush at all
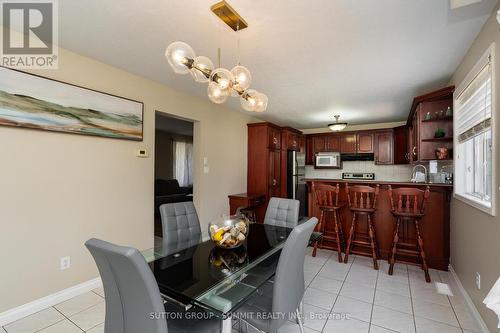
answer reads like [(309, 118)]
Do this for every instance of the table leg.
[(227, 325)]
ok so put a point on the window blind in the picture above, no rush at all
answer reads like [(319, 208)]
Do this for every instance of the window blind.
[(473, 106)]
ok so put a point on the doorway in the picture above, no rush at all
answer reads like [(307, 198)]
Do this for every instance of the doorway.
[(173, 163)]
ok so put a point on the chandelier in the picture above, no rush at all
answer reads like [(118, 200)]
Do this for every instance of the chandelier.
[(222, 82), (336, 126)]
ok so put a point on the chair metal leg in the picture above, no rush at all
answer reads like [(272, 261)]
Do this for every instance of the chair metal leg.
[(301, 326)]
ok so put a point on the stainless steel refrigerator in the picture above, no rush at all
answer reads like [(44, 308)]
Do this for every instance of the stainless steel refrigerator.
[(297, 188)]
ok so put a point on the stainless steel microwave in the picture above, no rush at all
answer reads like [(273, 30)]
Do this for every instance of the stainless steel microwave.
[(328, 160)]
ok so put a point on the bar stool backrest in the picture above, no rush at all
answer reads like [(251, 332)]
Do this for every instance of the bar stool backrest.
[(362, 197), (326, 195), (407, 200)]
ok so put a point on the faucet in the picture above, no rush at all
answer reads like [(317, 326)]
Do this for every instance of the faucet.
[(414, 174)]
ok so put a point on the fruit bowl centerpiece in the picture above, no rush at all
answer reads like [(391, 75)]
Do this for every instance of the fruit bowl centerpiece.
[(229, 232)]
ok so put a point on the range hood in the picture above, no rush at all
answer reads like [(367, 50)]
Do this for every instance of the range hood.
[(357, 157)]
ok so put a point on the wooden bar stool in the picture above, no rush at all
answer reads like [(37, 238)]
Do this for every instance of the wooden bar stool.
[(410, 208), (327, 199), (362, 203)]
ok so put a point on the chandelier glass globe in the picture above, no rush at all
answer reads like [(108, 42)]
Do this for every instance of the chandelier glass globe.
[(216, 94), (222, 77), (202, 67), (261, 102), (180, 56), (242, 78), (249, 100)]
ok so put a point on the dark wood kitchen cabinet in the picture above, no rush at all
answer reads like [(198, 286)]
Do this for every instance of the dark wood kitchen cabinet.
[(264, 163), (333, 143), (268, 147), (274, 135), (427, 114), (348, 143), (358, 142), (309, 150), (319, 143), (401, 145), (384, 146), (365, 142)]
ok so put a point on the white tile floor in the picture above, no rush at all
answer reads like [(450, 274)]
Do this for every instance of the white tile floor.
[(339, 298)]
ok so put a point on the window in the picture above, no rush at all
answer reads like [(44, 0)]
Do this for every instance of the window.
[(474, 137), (183, 166)]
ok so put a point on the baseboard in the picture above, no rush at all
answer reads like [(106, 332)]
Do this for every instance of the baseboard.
[(470, 303), (40, 304)]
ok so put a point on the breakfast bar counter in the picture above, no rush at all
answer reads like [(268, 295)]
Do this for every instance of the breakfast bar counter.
[(435, 226)]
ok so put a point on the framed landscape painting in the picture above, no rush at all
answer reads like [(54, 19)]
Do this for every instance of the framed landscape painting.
[(31, 101)]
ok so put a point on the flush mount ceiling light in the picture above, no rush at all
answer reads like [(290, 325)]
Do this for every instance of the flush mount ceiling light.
[(222, 82), (336, 126)]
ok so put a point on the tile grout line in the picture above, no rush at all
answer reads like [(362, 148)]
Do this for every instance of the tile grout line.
[(373, 300), (411, 301), (314, 277), (338, 294), (59, 321), (71, 321)]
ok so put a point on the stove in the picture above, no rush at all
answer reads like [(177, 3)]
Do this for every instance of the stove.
[(358, 175)]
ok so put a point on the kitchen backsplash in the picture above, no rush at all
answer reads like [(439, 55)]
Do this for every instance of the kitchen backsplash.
[(382, 172)]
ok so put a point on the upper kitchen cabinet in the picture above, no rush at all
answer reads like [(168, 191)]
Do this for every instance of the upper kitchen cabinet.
[(401, 145), (348, 143), (359, 142), (309, 150), (319, 144), (291, 139), (384, 147), (333, 143), (274, 135), (365, 142), (431, 125)]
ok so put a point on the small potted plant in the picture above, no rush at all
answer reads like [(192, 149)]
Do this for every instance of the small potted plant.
[(439, 133)]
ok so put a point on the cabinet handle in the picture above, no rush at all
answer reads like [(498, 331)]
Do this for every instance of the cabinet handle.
[(275, 182), (275, 140), (294, 143), (414, 151)]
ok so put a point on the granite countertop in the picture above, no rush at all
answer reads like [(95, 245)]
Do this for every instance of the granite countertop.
[(381, 182)]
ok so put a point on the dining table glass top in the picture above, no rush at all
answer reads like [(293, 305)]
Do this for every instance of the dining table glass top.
[(199, 273)]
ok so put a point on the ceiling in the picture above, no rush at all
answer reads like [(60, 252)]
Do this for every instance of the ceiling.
[(363, 59)]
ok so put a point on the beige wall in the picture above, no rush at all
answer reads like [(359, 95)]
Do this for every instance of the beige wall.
[(58, 190), (475, 236)]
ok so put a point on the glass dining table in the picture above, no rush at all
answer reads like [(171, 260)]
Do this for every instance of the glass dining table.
[(198, 273)]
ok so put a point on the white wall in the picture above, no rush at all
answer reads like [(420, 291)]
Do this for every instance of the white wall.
[(58, 190)]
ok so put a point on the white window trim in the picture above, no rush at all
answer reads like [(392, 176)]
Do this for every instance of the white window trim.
[(470, 200)]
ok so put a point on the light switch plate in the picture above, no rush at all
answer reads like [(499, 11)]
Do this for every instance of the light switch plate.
[(206, 169)]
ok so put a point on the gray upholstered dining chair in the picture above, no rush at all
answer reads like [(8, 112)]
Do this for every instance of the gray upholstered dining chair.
[(180, 225), (270, 307), (282, 212), (133, 300)]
